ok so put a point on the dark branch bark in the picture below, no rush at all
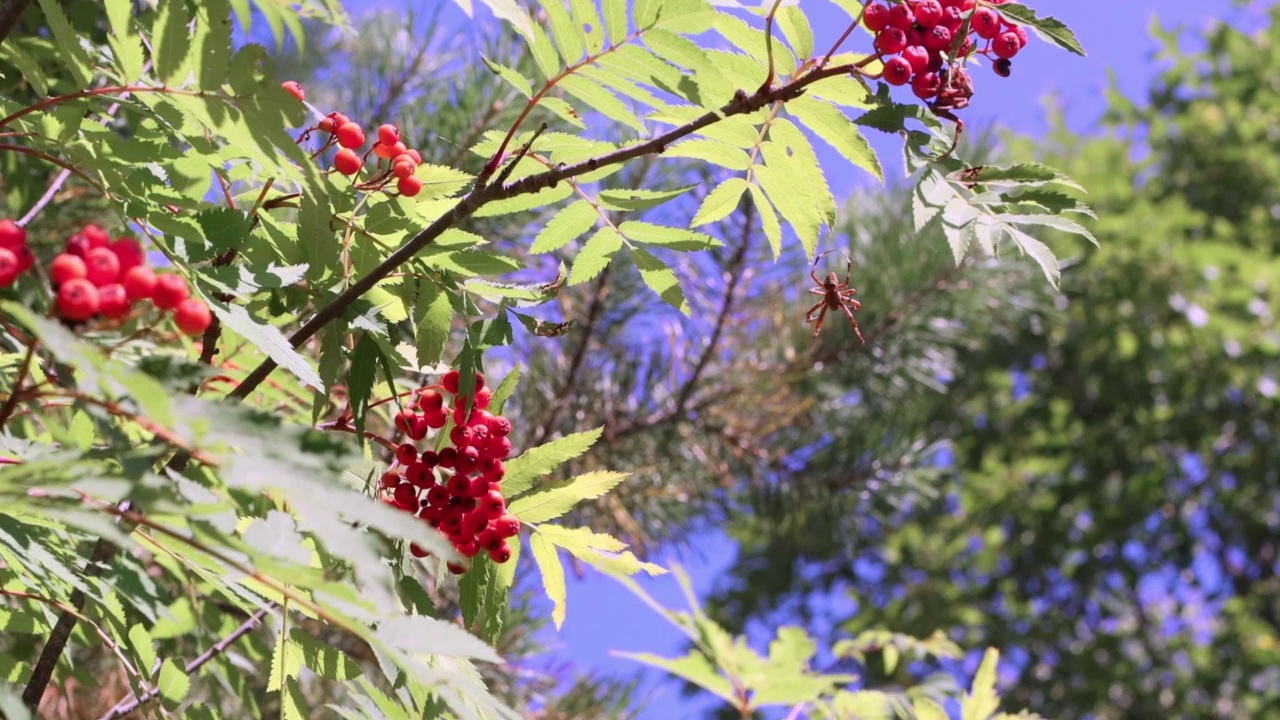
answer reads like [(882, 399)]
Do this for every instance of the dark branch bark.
[(10, 13)]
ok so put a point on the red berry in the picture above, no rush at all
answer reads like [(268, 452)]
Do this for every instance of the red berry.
[(419, 428), (918, 56), (77, 299), (483, 397), (456, 569), (479, 488), (952, 19), (388, 134), (417, 157), (891, 40), (430, 400), (901, 17), (438, 496), (437, 419), (403, 421), (101, 266), (489, 539), (26, 259), (876, 17), (12, 234), (169, 292), (493, 470), (294, 89), (113, 301), (139, 282), (469, 549), (1006, 45), (459, 485), (390, 479), (499, 426), (409, 186), (129, 252), (448, 457), (450, 381), (350, 135), (430, 458), (346, 162), (939, 38), (461, 436), (406, 454), (66, 266), (78, 245), (382, 151), (96, 236), (926, 85), (192, 316), (8, 267), (507, 525), (985, 22), (896, 72), (406, 495), (328, 124), (403, 170), (928, 13), (1021, 32), (494, 504), (501, 554), (498, 448), (417, 551), (420, 475)]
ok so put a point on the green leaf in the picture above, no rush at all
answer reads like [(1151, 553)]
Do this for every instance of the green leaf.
[(500, 394), (212, 43), (720, 202), (126, 44), (838, 131), (141, 645), (639, 198), (364, 372), (927, 709), (711, 151), (269, 340), (435, 315), (568, 38), (293, 703), (555, 500), (768, 220), (601, 100), (548, 561), (668, 237), (422, 635), (795, 26), (513, 78), (323, 658), (694, 667), (615, 20), (534, 463), (1039, 252), (567, 225), (1049, 28), (171, 43), (660, 279), (512, 12), (588, 23), (1027, 173), (595, 255), (173, 684), (70, 51), (982, 701)]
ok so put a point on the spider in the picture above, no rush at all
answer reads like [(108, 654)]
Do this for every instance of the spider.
[(834, 295), (953, 94)]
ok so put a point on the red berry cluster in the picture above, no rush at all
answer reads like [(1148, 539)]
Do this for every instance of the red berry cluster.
[(916, 36), (15, 256), (459, 489), (396, 161), (94, 276)]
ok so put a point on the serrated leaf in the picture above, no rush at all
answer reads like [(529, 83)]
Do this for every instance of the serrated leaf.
[(173, 684), (1055, 222), (982, 700), (660, 279), (668, 237), (555, 500), (595, 255), (1027, 173), (588, 23), (548, 561), (720, 202), (615, 19), (508, 385), (837, 131), (1049, 28), (536, 462), (421, 635), (70, 51), (567, 225), (601, 100), (324, 659), (768, 220), (126, 44), (695, 667), (1039, 252), (434, 314), (140, 643), (512, 78), (639, 198), (170, 42), (711, 151), (269, 340), (926, 709), (567, 37), (512, 12), (293, 703)]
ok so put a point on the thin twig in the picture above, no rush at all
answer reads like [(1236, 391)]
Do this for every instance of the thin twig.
[(519, 155), (129, 704), (11, 402)]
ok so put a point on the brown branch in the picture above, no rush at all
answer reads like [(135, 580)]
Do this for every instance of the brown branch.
[(481, 195), (9, 16), (129, 704)]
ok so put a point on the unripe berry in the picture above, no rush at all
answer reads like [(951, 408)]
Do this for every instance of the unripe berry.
[(1006, 45), (891, 40), (192, 316), (8, 267), (918, 56), (928, 13), (113, 301), (294, 89), (388, 134), (409, 186), (139, 282), (66, 266), (897, 71), (346, 162), (350, 135), (77, 299), (876, 17), (985, 22), (169, 292), (129, 252), (101, 266), (12, 234), (406, 454)]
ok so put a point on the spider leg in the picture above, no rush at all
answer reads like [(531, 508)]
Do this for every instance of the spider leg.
[(856, 329), (814, 267), (848, 271), (821, 314), (816, 291), (808, 316)]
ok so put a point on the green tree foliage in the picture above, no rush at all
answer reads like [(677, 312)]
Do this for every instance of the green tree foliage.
[(198, 526), (1110, 518)]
